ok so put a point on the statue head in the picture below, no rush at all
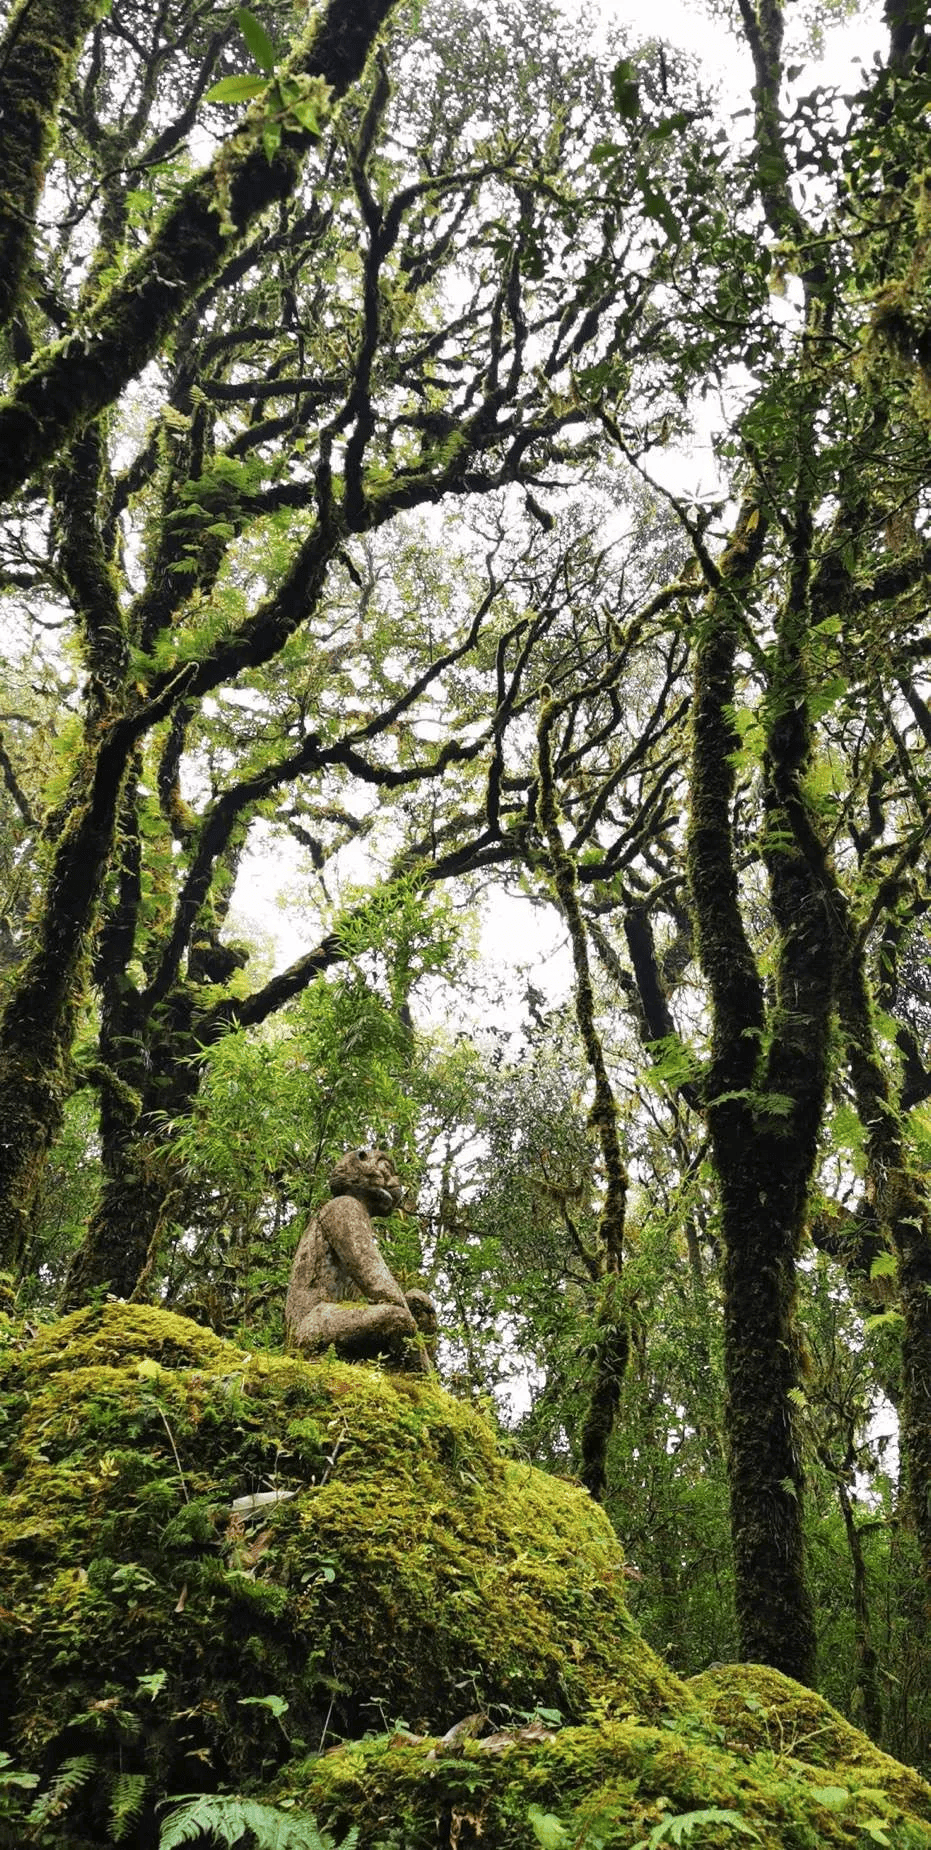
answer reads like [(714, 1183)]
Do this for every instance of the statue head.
[(370, 1176)]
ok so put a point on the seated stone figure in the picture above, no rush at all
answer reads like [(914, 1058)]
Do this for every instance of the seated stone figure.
[(341, 1291)]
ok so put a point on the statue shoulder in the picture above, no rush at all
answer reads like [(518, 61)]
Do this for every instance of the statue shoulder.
[(343, 1213)]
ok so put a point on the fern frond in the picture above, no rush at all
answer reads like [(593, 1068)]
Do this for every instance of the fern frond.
[(126, 1798), (68, 1780), (227, 1818)]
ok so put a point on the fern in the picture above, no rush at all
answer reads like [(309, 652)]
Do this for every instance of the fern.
[(227, 1819), (70, 1777), (683, 1823), (126, 1797)]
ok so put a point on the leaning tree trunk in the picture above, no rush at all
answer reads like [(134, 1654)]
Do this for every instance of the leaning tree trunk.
[(38, 1025)]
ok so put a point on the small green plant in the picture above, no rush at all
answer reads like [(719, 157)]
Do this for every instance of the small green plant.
[(548, 1830), (681, 1825), (125, 1797), (226, 1819), (294, 100), (14, 1786), (65, 1784), (127, 1794)]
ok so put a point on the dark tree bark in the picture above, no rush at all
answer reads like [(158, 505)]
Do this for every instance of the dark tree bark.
[(898, 1209), (37, 1029), (764, 1106), (38, 52), (612, 1345)]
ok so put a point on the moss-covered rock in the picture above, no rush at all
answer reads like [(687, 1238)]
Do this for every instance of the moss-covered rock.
[(406, 1572), (214, 1564), (622, 1783)]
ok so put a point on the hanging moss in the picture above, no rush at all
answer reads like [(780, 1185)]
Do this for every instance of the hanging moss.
[(37, 58)]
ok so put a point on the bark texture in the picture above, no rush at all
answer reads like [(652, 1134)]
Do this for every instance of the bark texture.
[(764, 1095), (37, 56)]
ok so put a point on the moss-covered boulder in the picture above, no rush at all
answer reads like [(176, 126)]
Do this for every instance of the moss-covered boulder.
[(215, 1565), (689, 1779), (392, 1566)]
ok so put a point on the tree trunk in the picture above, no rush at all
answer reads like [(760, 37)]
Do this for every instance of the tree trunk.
[(867, 1703), (37, 1029), (613, 1338), (760, 1227), (143, 1075), (900, 1211), (764, 1096), (122, 1236)]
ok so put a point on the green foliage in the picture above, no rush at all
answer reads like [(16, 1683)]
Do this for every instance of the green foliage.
[(681, 1826), (263, 50), (227, 1820), (547, 1829), (127, 1798), (624, 90), (365, 682)]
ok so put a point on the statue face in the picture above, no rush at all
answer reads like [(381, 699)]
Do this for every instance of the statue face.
[(370, 1176)]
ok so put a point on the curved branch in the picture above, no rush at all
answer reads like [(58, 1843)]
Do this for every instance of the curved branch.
[(72, 382)]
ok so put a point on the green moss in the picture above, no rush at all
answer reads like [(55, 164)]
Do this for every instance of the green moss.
[(767, 1711), (408, 1576), (407, 1571), (612, 1785), (40, 49), (122, 1332)]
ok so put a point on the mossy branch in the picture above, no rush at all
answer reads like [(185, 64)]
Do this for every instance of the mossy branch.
[(898, 1196), (796, 861), (38, 53), (723, 947), (72, 382)]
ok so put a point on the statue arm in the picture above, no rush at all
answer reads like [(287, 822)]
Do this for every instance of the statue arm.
[(348, 1229)]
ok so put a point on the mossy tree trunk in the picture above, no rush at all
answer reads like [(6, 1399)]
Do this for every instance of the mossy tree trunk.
[(38, 53), (898, 1209), (54, 413), (149, 1071), (38, 1025), (121, 1239), (159, 638), (765, 1088)]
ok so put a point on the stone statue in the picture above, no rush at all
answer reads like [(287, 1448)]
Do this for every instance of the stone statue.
[(341, 1291)]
